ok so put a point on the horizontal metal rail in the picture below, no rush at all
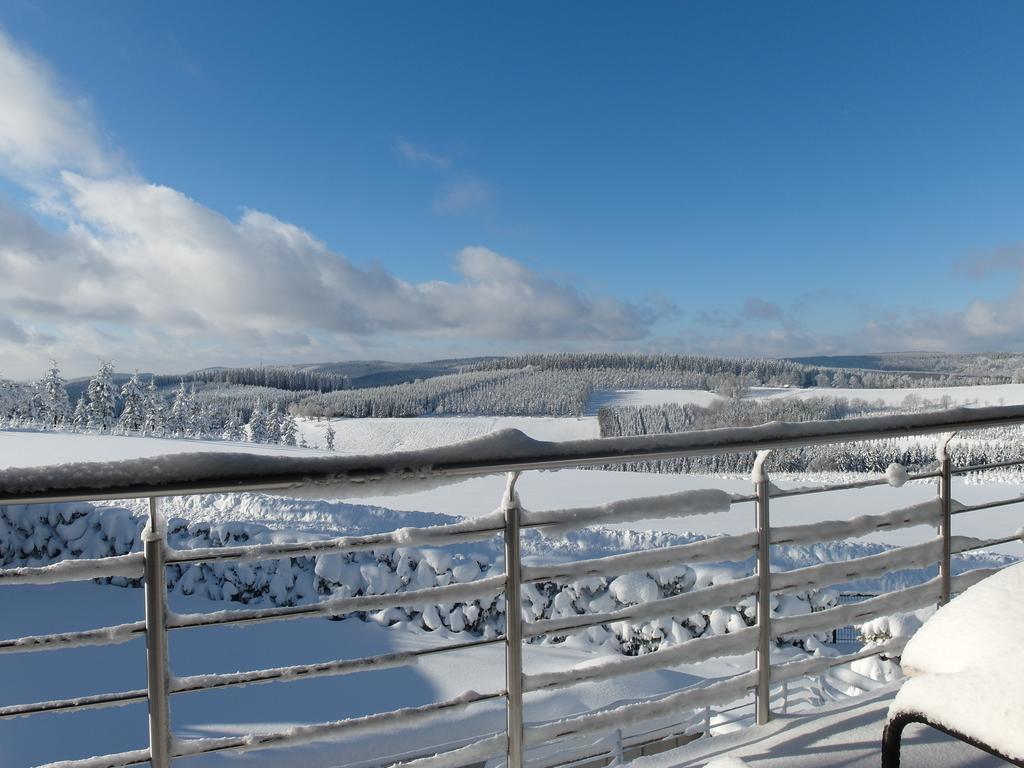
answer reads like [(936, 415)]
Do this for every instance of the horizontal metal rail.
[(127, 566), (992, 465), (333, 730), (508, 451), (988, 505), (783, 493), (342, 606), (471, 530), (113, 635), (194, 683)]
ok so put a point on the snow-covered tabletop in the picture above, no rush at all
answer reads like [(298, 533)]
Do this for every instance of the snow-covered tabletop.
[(967, 665)]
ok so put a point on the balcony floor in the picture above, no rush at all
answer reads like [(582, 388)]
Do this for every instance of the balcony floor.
[(845, 734)]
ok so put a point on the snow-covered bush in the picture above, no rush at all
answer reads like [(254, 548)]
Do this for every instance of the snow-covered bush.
[(41, 534)]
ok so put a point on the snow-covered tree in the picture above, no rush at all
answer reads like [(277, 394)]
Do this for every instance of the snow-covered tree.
[(55, 407), (257, 425), (80, 419), (274, 425), (133, 410), (179, 417), (102, 397), (289, 430), (329, 437), (153, 421), (233, 428), (200, 419)]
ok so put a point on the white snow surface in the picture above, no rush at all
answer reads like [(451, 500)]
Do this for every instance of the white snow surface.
[(372, 436), (981, 623), (984, 701), (843, 734)]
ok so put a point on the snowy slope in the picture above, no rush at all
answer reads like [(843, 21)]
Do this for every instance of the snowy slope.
[(25, 448), (370, 436)]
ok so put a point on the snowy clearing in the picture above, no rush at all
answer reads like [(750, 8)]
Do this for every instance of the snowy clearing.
[(372, 436), (610, 397), (978, 394), (26, 448)]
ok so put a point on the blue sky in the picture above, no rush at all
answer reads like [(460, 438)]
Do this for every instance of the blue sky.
[(780, 179)]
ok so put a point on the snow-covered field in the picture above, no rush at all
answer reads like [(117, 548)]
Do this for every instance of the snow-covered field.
[(651, 397), (29, 448), (369, 436)]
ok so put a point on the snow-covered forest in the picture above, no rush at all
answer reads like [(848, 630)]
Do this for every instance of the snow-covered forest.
[(985, 446), (140, 407), (563, 384)]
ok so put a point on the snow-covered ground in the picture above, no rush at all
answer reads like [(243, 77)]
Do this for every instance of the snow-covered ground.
[(843, 734), (29, 448), (369, 436), (609, 397)]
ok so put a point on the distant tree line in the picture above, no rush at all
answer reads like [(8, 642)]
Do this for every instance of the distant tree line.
[(138, 407), (273, 377), (700, 371)]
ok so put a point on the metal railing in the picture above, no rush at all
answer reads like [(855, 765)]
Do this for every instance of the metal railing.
[(509, 453)]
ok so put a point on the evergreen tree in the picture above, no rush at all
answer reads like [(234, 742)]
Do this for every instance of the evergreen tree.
[(102, 396), (257, 425), (198, 420), (133, 410), (289, 430), (80, 419), (180, 414), (233, 428), (55, 406), (153, 421), (273, 426), (329, 436)]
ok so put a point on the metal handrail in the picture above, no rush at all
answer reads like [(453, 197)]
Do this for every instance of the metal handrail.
[(501, 452), (511, 454)]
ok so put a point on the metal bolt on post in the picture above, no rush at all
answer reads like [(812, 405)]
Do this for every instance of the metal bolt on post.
[(154, 538), (513, 625), (764, 604)]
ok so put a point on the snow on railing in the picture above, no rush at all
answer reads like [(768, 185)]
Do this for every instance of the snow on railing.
[(510, 452)]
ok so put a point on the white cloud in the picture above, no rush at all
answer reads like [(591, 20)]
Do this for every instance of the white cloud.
[(462, 195), (140, 270), (419, 156), (41, 127)]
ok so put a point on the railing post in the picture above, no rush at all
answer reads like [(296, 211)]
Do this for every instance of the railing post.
[(513, 625), (764, 590), (945, 523), (154, 538)]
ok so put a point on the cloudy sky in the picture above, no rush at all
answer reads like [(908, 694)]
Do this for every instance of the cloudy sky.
[(192, 184)]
